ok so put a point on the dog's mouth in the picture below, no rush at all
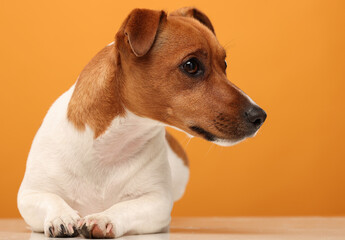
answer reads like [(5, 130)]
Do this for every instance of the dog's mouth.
[(222, 141), (207, 135), (210, 136)]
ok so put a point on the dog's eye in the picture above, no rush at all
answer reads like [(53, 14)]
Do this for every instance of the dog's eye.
[(226, 64), (192, 67)]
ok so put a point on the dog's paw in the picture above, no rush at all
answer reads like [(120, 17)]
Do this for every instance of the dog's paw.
[(64, 225), (96, 226)]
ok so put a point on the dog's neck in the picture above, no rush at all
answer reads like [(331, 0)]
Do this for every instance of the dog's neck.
[(126, 136), (98, 102)]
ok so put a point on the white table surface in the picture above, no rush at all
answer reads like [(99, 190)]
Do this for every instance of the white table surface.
[(231, 228)]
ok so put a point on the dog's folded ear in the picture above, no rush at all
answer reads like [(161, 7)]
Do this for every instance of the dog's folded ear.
[(140, 29), (194, 13)]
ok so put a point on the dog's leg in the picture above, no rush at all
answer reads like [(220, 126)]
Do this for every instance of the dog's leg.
[(149, 213), (179, 166), (48, 213)]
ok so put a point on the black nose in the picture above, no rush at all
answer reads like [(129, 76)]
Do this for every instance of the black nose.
[(256, 116)]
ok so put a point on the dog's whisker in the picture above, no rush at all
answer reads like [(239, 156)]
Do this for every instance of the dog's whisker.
[(189, 139), (229, 44), (209, 149)]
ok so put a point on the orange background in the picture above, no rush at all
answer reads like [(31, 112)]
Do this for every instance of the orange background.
[(289, 56)]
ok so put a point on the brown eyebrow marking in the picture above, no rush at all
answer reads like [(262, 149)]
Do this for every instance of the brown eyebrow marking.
[(199, 51)]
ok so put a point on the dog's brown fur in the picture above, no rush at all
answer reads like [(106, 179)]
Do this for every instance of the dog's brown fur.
[(141, 73)]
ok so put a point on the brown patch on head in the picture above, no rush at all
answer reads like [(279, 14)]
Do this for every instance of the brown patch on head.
[(177, 148)]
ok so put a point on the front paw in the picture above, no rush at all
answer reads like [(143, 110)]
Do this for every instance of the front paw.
[(64, 225), (96, 226)]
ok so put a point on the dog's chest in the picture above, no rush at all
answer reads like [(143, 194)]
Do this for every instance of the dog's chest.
[(109, 173), (96, 190)]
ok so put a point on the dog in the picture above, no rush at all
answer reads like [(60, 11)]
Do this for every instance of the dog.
[(102, 164)]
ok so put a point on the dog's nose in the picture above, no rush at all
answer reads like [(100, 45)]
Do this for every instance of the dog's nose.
[(256, 116)]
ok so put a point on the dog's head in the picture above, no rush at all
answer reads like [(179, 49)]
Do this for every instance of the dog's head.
[(175, 71), (168, 68)]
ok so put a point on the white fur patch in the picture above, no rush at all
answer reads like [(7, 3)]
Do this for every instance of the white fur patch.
[(123, 175), (179, 174)]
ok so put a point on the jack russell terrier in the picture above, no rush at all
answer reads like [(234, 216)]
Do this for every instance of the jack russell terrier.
[(102, 164)]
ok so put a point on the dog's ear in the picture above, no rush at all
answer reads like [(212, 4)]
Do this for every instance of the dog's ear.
[(194, 13), (140, 29)]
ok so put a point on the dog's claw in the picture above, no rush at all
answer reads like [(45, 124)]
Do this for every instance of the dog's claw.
[(63, 230), (84, 231), (51, 232), (75, 233), (109, 227)]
